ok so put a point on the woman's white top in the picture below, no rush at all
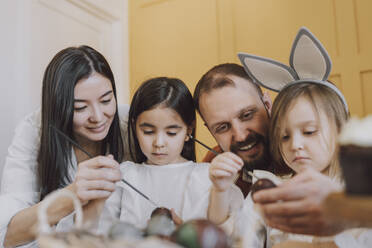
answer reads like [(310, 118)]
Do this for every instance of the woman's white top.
[(19, 184), (250, 225)]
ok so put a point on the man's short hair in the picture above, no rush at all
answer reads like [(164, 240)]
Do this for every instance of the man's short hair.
[(218, 77)]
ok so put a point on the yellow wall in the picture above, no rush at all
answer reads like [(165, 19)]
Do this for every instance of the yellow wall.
[(185, 38)]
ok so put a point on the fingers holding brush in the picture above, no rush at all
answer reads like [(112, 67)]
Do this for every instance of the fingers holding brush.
[(224, 169), (96, 178)]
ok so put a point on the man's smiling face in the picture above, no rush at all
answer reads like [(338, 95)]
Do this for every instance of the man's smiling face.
[(238, 119)]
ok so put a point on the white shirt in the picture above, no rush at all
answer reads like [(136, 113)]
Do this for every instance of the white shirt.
[(19, 185), (185, 187)]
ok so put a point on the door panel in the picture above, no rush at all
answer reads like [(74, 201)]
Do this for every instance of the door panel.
[(173, 38), (186, 38), (36, 30)]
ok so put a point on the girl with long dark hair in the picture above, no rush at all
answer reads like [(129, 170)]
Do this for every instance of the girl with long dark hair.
[(79, 99), (161, 120)]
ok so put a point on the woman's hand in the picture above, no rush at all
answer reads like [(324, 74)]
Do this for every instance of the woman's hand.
[(96, 178), (224, 170)]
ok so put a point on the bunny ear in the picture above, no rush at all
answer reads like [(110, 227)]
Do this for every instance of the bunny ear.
[(266, 72), (309, 58)]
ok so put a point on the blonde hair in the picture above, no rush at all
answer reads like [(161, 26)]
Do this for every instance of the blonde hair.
[(323, 99)]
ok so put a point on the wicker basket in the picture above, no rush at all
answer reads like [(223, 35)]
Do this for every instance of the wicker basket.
[(79, 237)]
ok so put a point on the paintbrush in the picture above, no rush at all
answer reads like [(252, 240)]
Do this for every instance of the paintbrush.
[(213, 151), (216, 153), (253, 175), (210, 149), (90, 156)]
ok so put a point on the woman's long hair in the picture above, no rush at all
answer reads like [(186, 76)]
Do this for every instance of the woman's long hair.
[(61, 75), (170, 92)]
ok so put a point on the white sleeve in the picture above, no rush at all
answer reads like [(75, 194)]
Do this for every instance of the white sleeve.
[(197, 192), (236, 203), (253, 230), (19, 187), (110, 212), (358, 238)]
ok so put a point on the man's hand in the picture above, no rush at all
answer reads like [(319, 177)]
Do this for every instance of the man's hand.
[(297, 205), (224, 170)]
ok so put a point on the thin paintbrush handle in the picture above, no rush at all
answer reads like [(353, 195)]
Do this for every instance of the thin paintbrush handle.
[(253, 175), (210, 149), (71, 141), (90, 156), (139, 192), (216, 153)]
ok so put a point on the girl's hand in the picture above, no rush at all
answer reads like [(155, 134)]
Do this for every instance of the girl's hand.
[(224, 170), (96, 178), (176, 219)]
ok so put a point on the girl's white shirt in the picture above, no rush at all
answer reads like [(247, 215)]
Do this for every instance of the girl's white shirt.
[(250, 226), (19, 184), (185, 187)]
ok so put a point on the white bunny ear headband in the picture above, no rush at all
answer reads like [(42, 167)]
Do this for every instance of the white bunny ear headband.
[(309, 62)]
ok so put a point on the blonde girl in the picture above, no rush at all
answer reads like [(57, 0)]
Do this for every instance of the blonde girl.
[(306, 119)]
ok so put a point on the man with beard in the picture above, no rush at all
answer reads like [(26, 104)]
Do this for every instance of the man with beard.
[(236, 112)]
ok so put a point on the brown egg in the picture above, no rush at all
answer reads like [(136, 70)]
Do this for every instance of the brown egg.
[(160, 224), (261, 184), (161, 211)]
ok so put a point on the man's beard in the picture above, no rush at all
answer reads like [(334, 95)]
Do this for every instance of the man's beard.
[(263, 161)]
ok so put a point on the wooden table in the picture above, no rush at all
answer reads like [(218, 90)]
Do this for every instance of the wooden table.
[(357, 209)]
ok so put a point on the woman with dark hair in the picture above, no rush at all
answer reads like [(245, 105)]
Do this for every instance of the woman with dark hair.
[(78, 99), (161, 120)]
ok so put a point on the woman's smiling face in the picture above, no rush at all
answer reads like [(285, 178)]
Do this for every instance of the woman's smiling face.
[(94, 108)]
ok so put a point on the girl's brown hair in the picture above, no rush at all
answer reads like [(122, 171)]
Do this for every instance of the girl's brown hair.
[(323, 99)]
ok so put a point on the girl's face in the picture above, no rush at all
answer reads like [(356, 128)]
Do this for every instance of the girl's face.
[(161, 134), (94, 108), (306, 137)]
